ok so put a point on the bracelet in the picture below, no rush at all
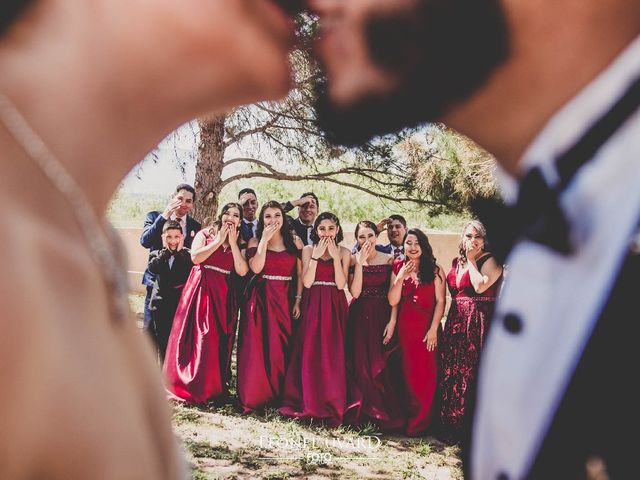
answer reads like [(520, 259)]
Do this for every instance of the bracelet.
[(298, 296)]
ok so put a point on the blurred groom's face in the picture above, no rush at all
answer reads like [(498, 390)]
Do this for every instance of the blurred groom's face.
[(390, 64)]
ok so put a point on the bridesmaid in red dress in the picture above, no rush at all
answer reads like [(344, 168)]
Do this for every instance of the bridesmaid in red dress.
[(417, 295), (273, 301), (197, 364), (372, 351), (316, 380), (474, 280)]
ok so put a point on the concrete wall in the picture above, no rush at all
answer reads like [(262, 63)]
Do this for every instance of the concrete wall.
[(137, 257), (445, 248)]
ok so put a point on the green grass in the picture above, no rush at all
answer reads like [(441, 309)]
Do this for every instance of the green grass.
[(277, 476), (183, 416), (308, 467), (197, 474), (422, 448), (410, 471), (206, 450)]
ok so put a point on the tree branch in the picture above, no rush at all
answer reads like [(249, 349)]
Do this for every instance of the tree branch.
[(251, 160), (295, 118), (239, 136), (298, 178), (294, 148), (321, 175), (298, 129)]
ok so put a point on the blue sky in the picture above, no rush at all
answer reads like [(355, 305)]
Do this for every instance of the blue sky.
[(157, 177)]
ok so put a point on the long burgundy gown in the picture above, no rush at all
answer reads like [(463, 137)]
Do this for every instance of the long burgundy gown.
[(315, 384), (461, 342), (197, 364), (419, 366), (374, 366), (265, 332)]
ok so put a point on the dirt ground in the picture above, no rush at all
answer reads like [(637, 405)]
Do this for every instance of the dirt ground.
[(222, 444)]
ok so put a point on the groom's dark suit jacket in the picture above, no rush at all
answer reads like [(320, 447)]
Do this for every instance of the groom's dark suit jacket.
[(598, 416)]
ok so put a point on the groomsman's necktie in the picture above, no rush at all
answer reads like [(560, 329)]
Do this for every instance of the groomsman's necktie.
[(182, 221), (250, 235)]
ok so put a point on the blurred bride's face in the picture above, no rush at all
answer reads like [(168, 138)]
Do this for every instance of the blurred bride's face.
[(255, 37), (239, 48)]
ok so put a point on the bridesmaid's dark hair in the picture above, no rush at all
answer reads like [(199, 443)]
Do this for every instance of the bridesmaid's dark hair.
[(315, 238), (225, 209), (285, 229), (10, 10), (366, 224), (427, 269)]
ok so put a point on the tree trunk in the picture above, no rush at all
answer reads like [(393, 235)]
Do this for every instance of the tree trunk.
[(209, 167)]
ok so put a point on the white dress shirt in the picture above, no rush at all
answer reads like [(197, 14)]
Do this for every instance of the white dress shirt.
[(309, 229), (553, 301)]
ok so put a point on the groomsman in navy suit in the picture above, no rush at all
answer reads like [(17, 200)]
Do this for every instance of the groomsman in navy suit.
[(178, 209), (249, 200), (308, 205), (396, 226)]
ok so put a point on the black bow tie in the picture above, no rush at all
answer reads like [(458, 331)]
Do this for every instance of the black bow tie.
[(537, 214)]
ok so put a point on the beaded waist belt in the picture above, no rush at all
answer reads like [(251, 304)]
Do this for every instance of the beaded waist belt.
[(217, 269), (277, 277), (475, 299), (374, 292), (328, 284)]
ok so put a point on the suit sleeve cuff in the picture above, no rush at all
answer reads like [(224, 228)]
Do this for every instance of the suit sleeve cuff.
[(287, 206)]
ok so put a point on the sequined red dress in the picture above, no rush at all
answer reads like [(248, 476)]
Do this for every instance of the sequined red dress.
[(461, 343)]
